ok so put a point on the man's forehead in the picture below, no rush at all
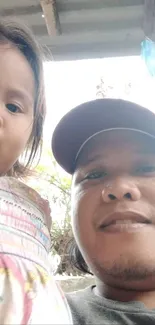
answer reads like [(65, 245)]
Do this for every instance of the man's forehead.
[(129, 141)]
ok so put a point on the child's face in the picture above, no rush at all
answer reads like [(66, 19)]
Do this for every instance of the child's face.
[(17, 93)]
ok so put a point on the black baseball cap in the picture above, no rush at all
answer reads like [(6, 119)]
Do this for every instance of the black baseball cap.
[(90, 118)]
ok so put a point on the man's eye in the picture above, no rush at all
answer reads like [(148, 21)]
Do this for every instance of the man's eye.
[(13, 108), (146, 169), (95, 175)]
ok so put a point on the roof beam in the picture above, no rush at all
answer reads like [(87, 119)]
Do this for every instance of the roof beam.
[(51, 16)]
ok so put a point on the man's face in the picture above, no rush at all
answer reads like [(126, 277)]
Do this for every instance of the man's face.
[(113, 205)]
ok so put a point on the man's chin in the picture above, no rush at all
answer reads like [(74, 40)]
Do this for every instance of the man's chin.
[(133, 276)]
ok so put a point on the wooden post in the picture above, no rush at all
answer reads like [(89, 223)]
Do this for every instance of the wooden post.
[(51, 16)]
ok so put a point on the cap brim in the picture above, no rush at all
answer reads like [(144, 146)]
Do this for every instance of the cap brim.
[(89, 118)]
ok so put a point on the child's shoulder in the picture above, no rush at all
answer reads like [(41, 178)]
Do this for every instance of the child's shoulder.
[(20, 189)]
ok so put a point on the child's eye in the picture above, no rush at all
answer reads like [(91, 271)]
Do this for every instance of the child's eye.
[(96, 175), (13, 108), (146, 169)]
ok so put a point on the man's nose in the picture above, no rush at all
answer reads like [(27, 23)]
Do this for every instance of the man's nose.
[(122, 189)]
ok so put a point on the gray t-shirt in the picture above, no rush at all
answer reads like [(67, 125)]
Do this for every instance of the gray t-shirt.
[(89, 309)]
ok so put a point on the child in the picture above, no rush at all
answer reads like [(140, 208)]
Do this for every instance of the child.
[(28, 294)]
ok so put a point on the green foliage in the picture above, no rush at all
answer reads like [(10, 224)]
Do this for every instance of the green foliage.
[(55, 185), (114, 89)]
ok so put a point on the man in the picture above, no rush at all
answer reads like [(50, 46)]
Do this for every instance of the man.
[(108, 146)]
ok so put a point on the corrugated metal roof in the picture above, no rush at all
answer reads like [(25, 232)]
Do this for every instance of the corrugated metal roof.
[(78, 29)]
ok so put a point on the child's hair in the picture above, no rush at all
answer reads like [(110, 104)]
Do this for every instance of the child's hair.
[(20, 36)]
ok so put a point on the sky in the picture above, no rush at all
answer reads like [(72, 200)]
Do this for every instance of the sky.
[(70, 83)]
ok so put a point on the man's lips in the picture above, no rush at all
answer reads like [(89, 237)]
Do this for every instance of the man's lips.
[(126, 217)]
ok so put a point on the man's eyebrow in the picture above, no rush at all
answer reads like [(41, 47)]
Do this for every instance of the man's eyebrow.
[(89, 160)]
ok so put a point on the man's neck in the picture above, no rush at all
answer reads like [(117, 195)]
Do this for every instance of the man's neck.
[(124, 295)]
